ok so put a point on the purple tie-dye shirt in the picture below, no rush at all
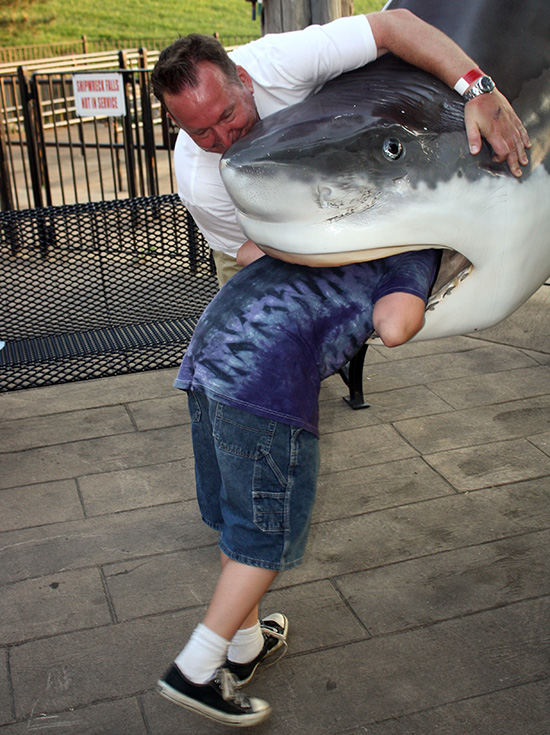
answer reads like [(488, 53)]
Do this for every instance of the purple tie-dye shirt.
[(276, 330)]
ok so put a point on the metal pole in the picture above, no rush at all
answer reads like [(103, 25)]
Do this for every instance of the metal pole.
[(148, 134), (6, 194), (30, 132), (127, 129)]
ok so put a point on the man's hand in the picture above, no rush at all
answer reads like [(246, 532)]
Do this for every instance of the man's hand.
[(492, 117), (248, 253)]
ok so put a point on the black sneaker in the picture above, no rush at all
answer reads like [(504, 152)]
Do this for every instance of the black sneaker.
[(217, 699), (275, 630)]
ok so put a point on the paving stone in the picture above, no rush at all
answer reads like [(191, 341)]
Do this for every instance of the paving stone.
[(522, 709), (427, 368), (55, 604), (36, 505), (490, 464), (122, 717), (18, 434), (337, 690), (424, 591), (87, 394), (474, 426), (385, 406), (407, 403), (362, 447), (498, 387), (336, 415), (75, 669), (420, 349), (187, 579), (416, 530), (318, 616), (366, 489), (409, 671), (122, 536), (379, 357), (542, 358), (542, 441), (140, 487), (156, 413), (528, 326), (163, 582), (86, 457), (6, 702)]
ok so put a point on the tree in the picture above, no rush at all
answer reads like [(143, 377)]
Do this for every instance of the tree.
[(292, 15)]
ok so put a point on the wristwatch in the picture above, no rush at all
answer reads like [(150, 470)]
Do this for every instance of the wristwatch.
[(483, 85)]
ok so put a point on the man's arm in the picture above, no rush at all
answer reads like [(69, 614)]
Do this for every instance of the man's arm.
[(490, 115)]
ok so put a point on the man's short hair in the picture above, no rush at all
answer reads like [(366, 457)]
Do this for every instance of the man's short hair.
[(176, 67)]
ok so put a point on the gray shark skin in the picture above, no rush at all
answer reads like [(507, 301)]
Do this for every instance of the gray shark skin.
[(377, 162)]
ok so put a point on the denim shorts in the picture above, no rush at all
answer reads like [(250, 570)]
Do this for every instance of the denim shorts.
[(256, 480)]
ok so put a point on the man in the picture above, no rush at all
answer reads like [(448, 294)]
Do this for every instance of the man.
[(264, 344)]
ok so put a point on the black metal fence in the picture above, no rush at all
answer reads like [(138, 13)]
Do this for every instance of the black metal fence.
[(50, 156)]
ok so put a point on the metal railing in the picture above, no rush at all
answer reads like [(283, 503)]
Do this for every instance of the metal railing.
[(49, 155), (16, 55)]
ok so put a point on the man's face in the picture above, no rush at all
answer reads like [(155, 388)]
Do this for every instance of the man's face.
[(216, 112)]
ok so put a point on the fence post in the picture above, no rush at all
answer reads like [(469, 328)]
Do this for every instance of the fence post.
[(6, 194), (28, 107), (127, 128), (148, 134)]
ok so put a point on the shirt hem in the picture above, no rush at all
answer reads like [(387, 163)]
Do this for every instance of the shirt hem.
[(253, 408)]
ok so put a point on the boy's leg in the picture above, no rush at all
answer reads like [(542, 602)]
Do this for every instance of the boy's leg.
[(397, 317), (255, 640), (252, 616), (240, 588), (228, 462), (198, 680)]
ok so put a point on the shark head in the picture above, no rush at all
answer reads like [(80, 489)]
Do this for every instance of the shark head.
[(377, 163)]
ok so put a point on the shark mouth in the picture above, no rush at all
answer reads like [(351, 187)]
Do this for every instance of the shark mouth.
[(453, 270)]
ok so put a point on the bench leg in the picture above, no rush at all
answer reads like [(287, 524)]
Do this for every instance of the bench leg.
[(352, 375)]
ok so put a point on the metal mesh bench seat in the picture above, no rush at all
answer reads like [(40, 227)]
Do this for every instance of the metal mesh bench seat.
[(99, 289), (97, 342)]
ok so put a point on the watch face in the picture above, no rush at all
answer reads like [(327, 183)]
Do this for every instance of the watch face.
[(486, 84)]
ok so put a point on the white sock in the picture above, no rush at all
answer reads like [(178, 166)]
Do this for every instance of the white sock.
[(203, 655), (246, 644)]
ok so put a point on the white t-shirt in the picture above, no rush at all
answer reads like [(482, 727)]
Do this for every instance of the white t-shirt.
[(285, 68)]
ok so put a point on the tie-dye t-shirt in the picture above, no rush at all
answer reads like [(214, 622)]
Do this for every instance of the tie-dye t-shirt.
[(276, 330)]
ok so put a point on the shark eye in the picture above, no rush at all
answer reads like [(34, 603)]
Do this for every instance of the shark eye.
[(392, 148)]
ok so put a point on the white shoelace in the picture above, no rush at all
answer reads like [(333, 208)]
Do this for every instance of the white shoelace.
[(267, 629), (227, 682)]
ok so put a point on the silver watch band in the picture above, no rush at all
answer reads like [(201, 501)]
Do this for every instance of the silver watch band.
[(483, 85)]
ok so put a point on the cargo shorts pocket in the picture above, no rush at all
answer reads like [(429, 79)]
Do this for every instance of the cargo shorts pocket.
[(270, 495)]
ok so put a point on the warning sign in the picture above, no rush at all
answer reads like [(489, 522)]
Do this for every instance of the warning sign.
[(99, 94)]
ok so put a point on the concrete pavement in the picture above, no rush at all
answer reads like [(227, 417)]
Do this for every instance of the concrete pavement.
[(421, 608)]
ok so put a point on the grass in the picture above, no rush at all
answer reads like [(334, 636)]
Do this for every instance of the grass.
[(33, 22)]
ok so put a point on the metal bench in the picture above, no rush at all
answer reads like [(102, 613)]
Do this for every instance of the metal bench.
[(97, 289)]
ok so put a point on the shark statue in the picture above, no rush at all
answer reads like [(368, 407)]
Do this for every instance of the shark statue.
[(377, 162)]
